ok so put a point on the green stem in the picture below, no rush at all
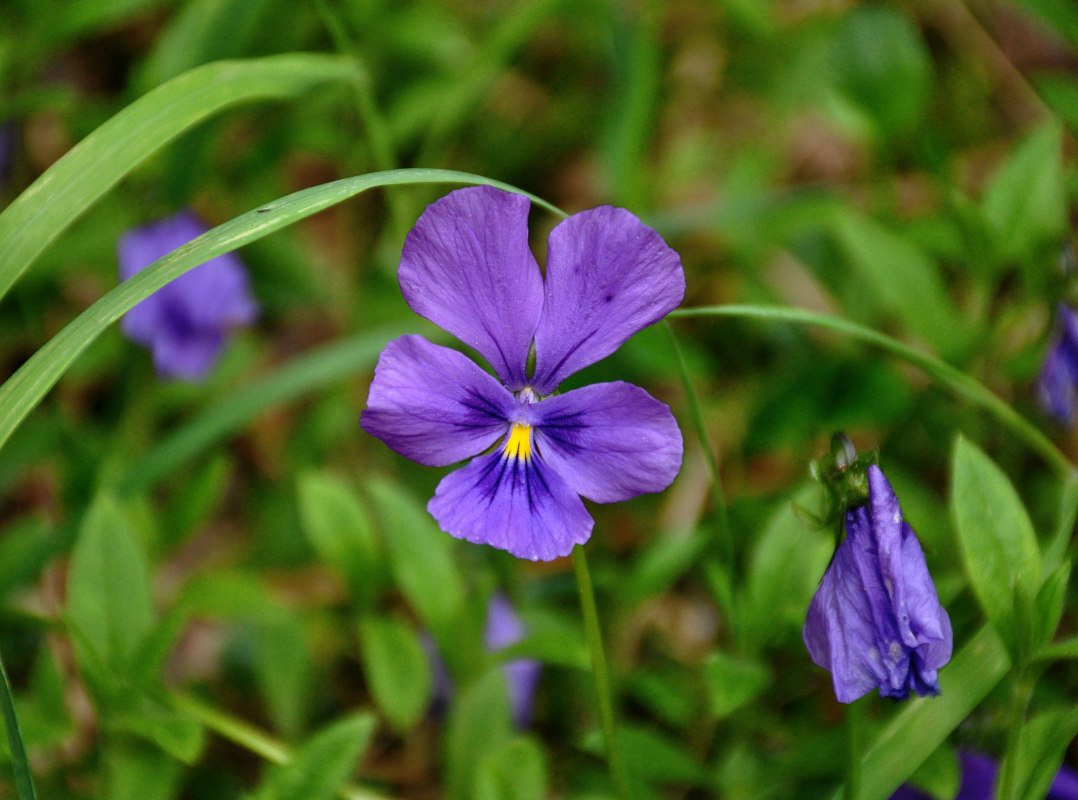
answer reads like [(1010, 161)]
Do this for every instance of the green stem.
[(24, 781), (602, 675), (954, 380), (1008, 774), (251, 738), (851, 789)]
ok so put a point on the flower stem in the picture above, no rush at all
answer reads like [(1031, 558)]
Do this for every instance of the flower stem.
[(954, 380), (1008, 773), (602, 676), (851, 789)]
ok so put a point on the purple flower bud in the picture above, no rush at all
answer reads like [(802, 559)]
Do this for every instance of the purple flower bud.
[(185, 322), (979, 782), (1057, 388), (876, 621)]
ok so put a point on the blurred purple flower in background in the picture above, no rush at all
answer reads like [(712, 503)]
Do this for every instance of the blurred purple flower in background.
[(979, 782), (7, 150), (503, 628), (1057, 388), (185, 322), (876, 620), (466, 266)]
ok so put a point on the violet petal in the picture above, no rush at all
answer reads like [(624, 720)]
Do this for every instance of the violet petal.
[(515, 504), (434, 405), (608, 276), (466, 267), (1057, 388), (504, 628), (609, 441)]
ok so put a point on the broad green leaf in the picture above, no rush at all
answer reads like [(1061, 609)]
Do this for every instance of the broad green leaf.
[(420, 555), (883, 67), (890, 265), (655, 757), (940, 775), (924, 723), (108, 587), (479, 724), (1025, 203), (136, 770), (321, 767), (397, 669), (23, 390), (284, 670), (515, 771), (1040, 752), (340, 530), (732, 682), (175, 733), (998, 543), (24, 779), (98, 162)]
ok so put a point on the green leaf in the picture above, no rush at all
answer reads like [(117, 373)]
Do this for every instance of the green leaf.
[(136, 770), (339, 528), (1066, 649), (940, 775), (515, 771), (889, 265), (654, 757), (998, 544), (24, 779), (420, 555), (1040, 752), (108, 589), (924, 723), (732, 682), (284, 670), (1025, 204), (479, 724), (322, 766), (175, 733), (23, 390), (397, 669), (71, 185), (1048, 607)]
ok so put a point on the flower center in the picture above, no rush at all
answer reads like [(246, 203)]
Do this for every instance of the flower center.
[(519, 442)]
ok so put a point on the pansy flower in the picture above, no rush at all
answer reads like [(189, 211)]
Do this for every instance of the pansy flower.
[(466, 266), (1057, 388), (979, 775), (185, 322), (876, 620)]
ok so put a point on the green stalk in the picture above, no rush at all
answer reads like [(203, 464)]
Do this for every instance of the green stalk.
[(602, 676), (851, 789), (952, 379), (24, 781), (1008, 773)]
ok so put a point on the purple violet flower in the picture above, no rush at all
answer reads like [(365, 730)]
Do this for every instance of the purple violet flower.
[(466, 266), (185, 322), (8, 135), (979, 781), (1057, 388), (876, 620)]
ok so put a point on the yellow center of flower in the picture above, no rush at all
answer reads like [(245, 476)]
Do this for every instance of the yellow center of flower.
[(519, 442)]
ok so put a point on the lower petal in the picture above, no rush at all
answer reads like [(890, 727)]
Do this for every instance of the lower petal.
[(515, 504)]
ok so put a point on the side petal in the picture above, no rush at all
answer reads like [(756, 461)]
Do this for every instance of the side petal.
[(608, 276), (609, 441), (466, 266), (432, 404), (515, 504)]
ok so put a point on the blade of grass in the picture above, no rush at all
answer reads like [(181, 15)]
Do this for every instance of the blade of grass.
[(75, 182), (24, 781), (23, 390), (954, 380)]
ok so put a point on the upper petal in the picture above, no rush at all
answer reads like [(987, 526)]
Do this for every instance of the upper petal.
[(515, 504), (466, 266), (432, 404), (609, 441), (608, 275)]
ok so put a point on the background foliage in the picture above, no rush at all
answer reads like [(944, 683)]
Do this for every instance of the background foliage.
[(226, 590)]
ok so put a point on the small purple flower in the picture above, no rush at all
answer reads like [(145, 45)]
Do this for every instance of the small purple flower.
[(185, 322), (876, 620), (466, 266), (979, 782), (7, 150), (1057, 388), (503, 628)]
